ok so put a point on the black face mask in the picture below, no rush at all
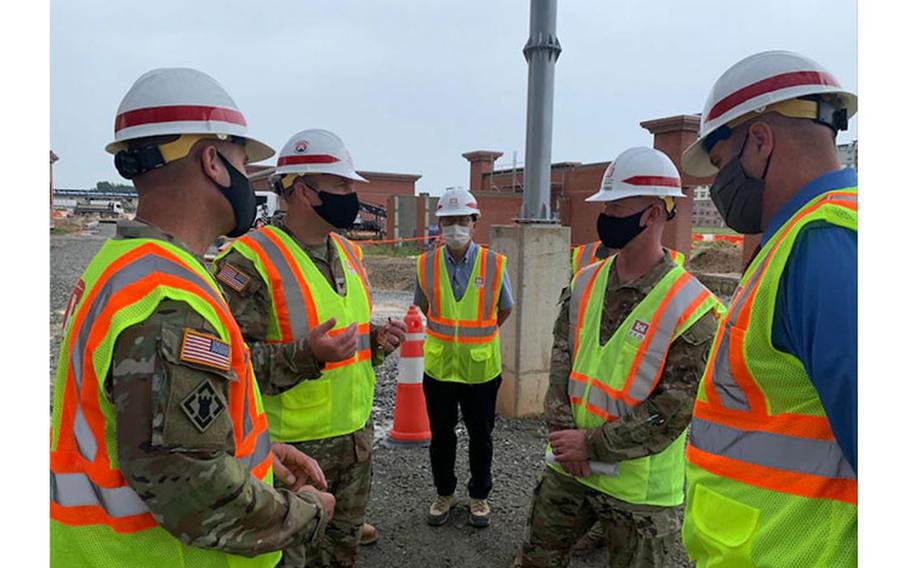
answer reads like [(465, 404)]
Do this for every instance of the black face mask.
[(241, 197), (738, 197), (340, 211), (616, 232)]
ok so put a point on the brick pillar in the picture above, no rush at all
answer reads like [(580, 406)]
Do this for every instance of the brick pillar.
[(672, 135), (481, 163)]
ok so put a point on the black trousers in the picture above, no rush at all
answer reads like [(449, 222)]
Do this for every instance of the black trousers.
[(478, 410)]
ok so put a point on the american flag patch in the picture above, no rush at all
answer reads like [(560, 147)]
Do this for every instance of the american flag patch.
[(230, 275), (204, 349)]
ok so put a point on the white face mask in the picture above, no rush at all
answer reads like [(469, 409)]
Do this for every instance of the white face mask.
[(456, 236)]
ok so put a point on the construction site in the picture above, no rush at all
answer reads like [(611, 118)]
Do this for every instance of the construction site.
[(533, 212)]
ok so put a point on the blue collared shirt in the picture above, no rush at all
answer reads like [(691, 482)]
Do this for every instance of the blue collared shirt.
[(459, 272), (815, 316)]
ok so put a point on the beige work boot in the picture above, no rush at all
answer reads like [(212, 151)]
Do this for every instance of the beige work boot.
[(480, 513), (439, 510), (368, 535)]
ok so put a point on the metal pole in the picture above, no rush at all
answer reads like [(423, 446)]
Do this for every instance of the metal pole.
[(541, 53)]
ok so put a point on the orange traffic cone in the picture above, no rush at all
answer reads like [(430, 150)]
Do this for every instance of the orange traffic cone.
[(411, 426)]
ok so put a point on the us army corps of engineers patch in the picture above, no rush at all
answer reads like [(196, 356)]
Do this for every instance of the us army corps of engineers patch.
[(203, 405)]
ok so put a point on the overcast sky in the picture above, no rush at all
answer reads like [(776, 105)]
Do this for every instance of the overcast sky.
[(411, 85)]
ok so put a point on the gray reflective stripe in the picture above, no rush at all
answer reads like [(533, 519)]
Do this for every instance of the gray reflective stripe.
[(489, 292), (260, 452), (582, 279), (731, 396), (351, 252), (84, 437), (363, 341), (652, 361), (590, 253), (293, 295), (577, 389), (603, 401), (429, 273), (801, 455), (459, 331), (129, 274), (247, 421), (77, 490)]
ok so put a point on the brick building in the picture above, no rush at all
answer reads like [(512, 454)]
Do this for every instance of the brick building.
[(499, 191), (380, 190)]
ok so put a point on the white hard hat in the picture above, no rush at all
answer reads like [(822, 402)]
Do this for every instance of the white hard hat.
[(759, 81), (176, 101), (639, 171), (457, 201), (316, 151)]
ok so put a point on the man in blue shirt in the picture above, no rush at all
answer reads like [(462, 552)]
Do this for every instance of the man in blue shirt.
[(445, 383), (781, 458)]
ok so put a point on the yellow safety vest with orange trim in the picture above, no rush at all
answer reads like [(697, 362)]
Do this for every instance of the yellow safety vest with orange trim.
[(607, 382), (462, 343), (97, 519), (586, 255), (340, 401), (768, 484)]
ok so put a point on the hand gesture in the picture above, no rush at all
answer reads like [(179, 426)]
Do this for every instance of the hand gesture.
[(332, 347), (296, 469)]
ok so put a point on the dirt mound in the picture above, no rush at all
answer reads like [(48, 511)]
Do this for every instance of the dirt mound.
[(719, 258), (391, 272)]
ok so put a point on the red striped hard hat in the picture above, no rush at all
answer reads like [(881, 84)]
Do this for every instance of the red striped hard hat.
[(316, 151), (751, 87), (176, 101), (637, 172)]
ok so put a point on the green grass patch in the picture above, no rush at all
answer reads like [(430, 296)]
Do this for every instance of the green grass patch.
[(390, 250), (714, 230)]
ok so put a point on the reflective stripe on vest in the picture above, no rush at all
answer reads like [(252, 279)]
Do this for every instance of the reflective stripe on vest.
[(125, 283), (734, 433), (608, 381), (292, 297), (462, 336), (685, 296), (768, 484), (483, 328), (339, 402)]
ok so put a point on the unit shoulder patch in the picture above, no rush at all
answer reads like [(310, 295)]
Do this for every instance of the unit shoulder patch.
[(204, 349), (233, 277), (203, 405)]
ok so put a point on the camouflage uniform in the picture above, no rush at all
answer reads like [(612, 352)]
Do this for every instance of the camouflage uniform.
[(345, 460), (563, 509), (187, 476)]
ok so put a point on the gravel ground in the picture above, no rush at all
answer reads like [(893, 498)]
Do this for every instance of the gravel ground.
[(402, 482)]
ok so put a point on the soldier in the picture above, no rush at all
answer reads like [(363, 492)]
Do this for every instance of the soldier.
[(160, 452), (465, 293), (298, 282), (629, 347)]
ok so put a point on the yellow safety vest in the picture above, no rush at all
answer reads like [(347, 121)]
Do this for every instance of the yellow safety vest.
[(97, 519), (607, 382), (768, 484), (462, 343), (340, 401)]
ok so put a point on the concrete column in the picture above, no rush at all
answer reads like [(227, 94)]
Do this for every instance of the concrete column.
[(538, 268)]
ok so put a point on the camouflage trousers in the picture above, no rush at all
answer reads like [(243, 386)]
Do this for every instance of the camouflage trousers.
[(563, 510), (346, 462)]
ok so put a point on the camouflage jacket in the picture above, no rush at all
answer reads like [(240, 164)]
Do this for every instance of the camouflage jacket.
[(252, 308), (185, 473), (659, 420)]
